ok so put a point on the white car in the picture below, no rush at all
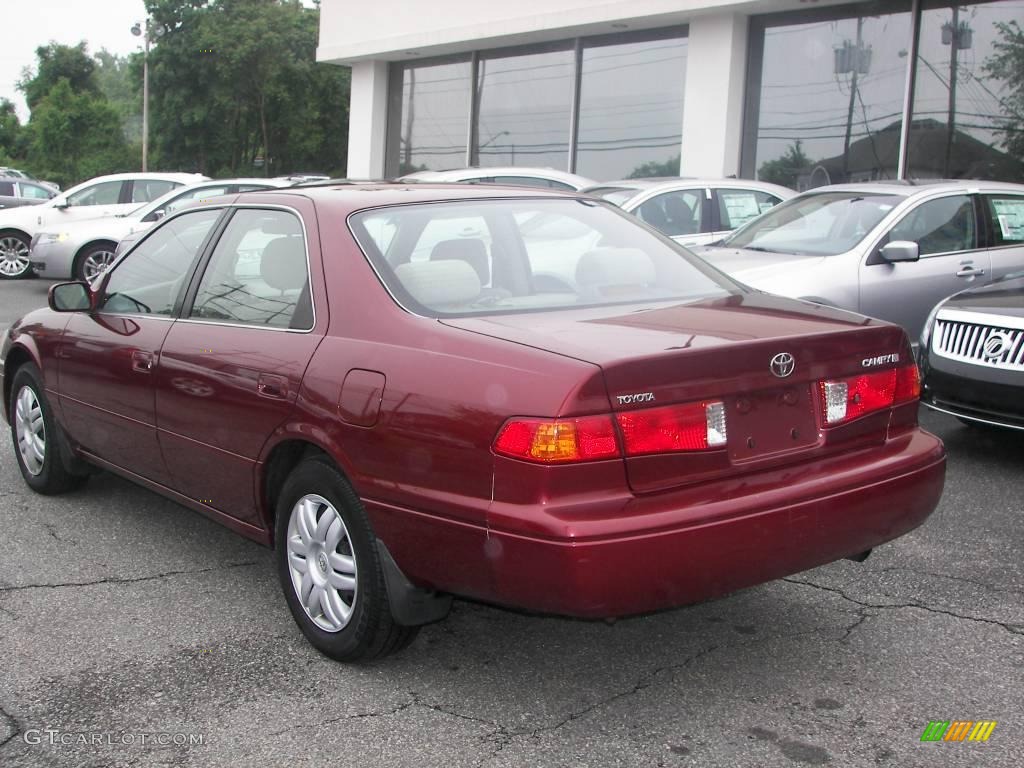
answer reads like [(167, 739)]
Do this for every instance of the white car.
[(102, 196), (82, 249), (544, 178), (693, 211)]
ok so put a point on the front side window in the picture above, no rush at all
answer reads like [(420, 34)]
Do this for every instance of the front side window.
[(1007, 214), (35, 192), (7, 188), (258, 274), (104, 193), (674, 213), (500, 256), (822, 224), (149, 279), (939, 226), (738, 206)]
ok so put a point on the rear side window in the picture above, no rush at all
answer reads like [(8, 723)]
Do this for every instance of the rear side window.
[(148, 280), (104, 193), (258, 274), (674, 213), (738, 206), (1007, 214), (147, 190)]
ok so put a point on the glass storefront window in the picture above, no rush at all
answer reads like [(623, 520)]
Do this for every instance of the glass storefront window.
[(967, 118), (525, 108), (432, 129), (631, 109), (828, 102)]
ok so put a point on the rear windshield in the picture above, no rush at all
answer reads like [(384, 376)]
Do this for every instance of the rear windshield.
[(485, 257), (817, 224)]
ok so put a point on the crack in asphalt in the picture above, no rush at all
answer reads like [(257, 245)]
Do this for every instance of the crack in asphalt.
[(962, 579), (1014, 629), (13, 724), (151, 577)]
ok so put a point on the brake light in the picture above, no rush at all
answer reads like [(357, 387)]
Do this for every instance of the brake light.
[(551, 441), (688, 427), (847, 399)]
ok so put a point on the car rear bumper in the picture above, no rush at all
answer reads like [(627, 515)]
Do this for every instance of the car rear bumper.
[(727, 544)]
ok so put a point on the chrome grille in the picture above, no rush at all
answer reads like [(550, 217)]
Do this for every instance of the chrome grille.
[(995, 341)]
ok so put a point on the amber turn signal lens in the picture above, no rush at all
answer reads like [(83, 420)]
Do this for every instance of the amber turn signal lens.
[(550, 441)]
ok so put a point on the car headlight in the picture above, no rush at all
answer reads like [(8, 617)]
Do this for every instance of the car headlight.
[(926, 331), (53, 237)]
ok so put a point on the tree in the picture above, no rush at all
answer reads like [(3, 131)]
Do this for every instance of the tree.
[(655, 169), (1007, 64), (10, 132), (785, 170), (59, 62), (119, 80)]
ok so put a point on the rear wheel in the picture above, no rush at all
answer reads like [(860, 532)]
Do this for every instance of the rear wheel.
[(14, 261), (93, 260), (34, 431), (330, 568)]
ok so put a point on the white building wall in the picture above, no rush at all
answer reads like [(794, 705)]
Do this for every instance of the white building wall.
[(367, 121)]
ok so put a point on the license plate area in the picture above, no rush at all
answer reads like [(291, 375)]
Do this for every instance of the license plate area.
[(771, 421)]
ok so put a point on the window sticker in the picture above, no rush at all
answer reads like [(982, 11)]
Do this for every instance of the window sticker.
[(1010, 215), (740, 206)]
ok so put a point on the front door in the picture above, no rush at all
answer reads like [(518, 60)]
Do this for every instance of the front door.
[(946, 232), (230, 369), (109, 358)]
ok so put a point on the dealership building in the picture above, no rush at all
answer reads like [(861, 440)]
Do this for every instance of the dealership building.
[(804, 92)]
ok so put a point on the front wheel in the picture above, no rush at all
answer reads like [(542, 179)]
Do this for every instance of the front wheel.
[(34, 431), (14, 261), (93, 260), (330, 568)]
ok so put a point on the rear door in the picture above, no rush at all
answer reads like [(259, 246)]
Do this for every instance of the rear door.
[(230, 368), (1004, 215), (109, 358), (952, 259)]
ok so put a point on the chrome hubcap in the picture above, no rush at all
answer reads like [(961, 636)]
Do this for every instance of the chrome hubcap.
[(322, 563), (13, 256), (95, 263), (30, 431)]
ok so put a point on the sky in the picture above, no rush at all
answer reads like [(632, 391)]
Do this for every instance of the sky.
[(27, 24)]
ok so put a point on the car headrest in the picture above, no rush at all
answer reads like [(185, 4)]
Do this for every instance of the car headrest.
[(438, 283), (280, 223), (283, 264), (614, 267), (470, 250)]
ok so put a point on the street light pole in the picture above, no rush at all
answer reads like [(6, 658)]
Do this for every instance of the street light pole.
[(143, 30)]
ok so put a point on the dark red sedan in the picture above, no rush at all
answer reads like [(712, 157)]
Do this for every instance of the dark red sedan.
[(531, 399)]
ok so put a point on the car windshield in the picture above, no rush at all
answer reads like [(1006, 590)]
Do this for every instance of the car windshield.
[(614, 195), (815, 224), (497, 256)]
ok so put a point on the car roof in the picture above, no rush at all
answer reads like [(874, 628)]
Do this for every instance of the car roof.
[(914, 187), (671, 182), (479, 172)]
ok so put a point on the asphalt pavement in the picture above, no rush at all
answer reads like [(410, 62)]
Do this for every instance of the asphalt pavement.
[(136, 632)]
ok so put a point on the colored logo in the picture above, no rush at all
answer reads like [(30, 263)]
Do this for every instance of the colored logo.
[(958, 730)]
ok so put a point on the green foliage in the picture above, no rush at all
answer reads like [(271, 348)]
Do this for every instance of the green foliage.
[(654, 169), (59, 62), (10, 132), (234, 80), (118, 79), (785, 170), (1007, 64)]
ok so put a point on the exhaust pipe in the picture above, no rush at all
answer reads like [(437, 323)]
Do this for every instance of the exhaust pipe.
[(860, 557)]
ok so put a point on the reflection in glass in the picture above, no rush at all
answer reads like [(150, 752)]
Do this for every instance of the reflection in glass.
[(525, 107), (831, 99), (631, 109), (433, 125), (969, 73)]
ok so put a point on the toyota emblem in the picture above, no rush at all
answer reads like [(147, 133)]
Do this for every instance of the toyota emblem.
[(995, 345), (782, 365)]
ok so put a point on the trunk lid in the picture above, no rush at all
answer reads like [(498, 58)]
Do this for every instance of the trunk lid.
[(716, 350)]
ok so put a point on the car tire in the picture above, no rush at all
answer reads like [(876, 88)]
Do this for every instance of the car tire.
[(14, 263), (91, 261), (35, 434), (326, 550)]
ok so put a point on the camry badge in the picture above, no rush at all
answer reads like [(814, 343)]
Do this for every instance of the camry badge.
[(995, 345), (782, 365)]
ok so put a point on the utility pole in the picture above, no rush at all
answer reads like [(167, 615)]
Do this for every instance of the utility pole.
[(853, 60), (954, 46)]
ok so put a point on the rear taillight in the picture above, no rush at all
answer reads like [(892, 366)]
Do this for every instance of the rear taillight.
[(552, 441), (689, 427), (844, 400)]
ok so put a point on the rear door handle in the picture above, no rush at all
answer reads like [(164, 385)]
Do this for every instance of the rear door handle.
[(272, 385), (142, 361)]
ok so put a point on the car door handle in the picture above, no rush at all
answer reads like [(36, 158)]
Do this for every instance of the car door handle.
[(968, 270), (271, 385), (142, 361)]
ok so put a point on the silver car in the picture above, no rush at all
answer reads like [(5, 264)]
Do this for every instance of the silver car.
[(543, 178), (82, 249), (890, 250), (16, 191), (693, 211)]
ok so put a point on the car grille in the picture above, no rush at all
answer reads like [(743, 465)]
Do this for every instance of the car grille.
[(988, 340)]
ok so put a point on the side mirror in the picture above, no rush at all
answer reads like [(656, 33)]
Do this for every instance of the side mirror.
[(61, 205), (69, 297), (155, 215), (900, 250)]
